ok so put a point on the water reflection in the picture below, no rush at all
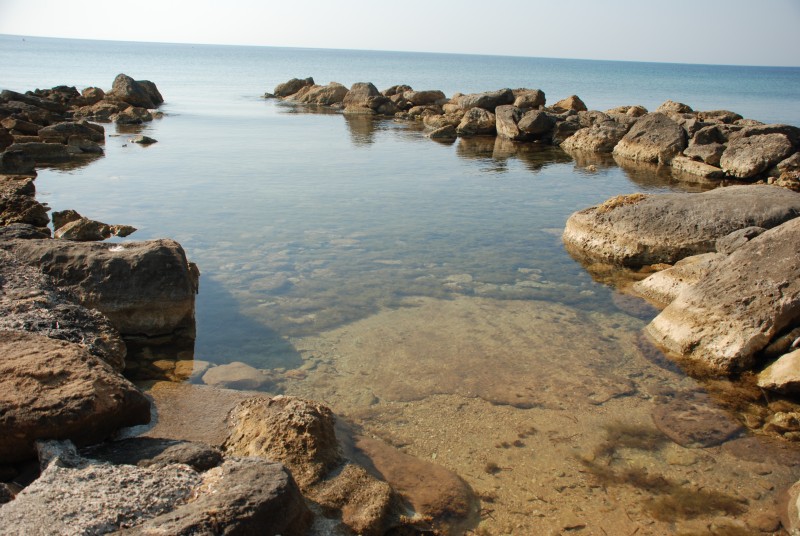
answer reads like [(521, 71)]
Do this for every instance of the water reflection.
[(362, 128)]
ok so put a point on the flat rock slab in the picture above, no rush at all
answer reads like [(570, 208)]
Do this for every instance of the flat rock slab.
[(640, 229), (692, 421), (743, 303), (664, 286), (57, 389)]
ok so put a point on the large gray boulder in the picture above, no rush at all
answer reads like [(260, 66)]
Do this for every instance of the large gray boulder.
[(144, 288), (134, 93), (745, 301), (536, 125), (751, 156), (488, 100), (638, 229), (53, 389), (654, 138)]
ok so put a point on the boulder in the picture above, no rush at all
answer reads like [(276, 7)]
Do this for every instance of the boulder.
[(477, 121), (296, 432), (84, 145), (30, 301), (638, 229), (32, 100), (572, 102), (507, 117), (719, 116), (730, 243), (488, 100), (791, 164), (292, 86), (447, 132), (672, 107), (143, 140), (746, 300), (61, 132), (238, 375), (665, 285), (398, 89), (437, 121), (328, 95), (696, 168), (564, 129), (710, 153), (529, 98), (144, 288), (21, 127), (57, 389), (18, 203), (103, 110), (43, 153), (425, 98), (360, 97), (654, 138), (23, 230), (536, 125), (132, 92), (91, 95), (750, 156), (631, 111), (782, 376), (599, 138), (132, 115), (86, 230), (152, 451)]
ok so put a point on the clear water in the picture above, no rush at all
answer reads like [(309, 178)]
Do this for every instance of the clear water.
[(318, 237)]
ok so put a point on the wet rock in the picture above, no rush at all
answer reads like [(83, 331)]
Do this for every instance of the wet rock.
[(86, 230), (748, 157), (149, 451), (293, 431), (477, 121), (143, 140), (654, 138), (746, 300), (447, 132), (564, 129), (693, 421), (84, 145), (237, 375), (664, 286), (57, 389), (783, 375), (487, 101), (436, 122), (425, 98), (536, 125), (61, 132), (638, 230), (31, 302), (529, 98), (43, 153), (132, 92), (292, 86), (18, 203), (144, 288), (573, 102), (599, 138)]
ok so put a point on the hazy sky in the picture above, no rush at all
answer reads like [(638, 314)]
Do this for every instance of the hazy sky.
[(743, 32)]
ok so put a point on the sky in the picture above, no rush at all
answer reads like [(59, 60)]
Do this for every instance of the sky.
[(737, 32)]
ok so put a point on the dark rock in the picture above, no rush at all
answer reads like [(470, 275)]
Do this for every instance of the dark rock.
[(396, 90), (654, 138), (692, 421), (91, 95), (101, 111), (129, 90), (642, 229), (85, 145), (86, 230), (18, 203), (487, 101), (292, 86), (63, 217), (20, 126), (148, 451), (23, 230), (32, 100), (747, 299), (477, 121), (61, 132), (143, 140), (437, 121), (43, 153), (447, 132), (564, 129), (152, 91), (536, 125), (6, 139), (710, 153), (144, 288), (132, 115), (57, 389)]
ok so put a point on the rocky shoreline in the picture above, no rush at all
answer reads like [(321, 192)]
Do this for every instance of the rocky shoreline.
[(75, 312)]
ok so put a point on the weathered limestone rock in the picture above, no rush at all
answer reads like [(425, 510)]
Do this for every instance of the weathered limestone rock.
[(783, 375), (507, 117), (790, 513), (144, 288), (57, 389), (91, 95), (425, 98), (61, 132), (237, 375), (536, 125), (664, 286), (18, 203), (397, 89), (599, 138), (477, 121), (746, 300), (672, 107), (132, 115), (86, 230), (438, 121), (654, 138), (329, 95), (488, 100), (447, 132), (730, 243), (529, 98), (693, 167), (748, 157), (360, 97), (573, 102), (30, 301), (631, 111), (719, 116), (103, 110), (134, 93), (639, 229), (292, 86), (709, 153)]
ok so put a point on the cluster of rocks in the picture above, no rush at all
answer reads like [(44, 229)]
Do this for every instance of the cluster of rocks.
[(726, 275), (716, 144), (49, 126)]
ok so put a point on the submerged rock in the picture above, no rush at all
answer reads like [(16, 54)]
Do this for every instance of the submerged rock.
[(642, 229), (693, 421), (745, 301)]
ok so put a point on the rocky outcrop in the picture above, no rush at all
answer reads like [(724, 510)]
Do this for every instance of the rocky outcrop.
[(642, 229), (141, 94), (744, 302), (487, 101), (476, 122), (292, 86), (58, 389), (364, 98), (18, 203), (654, 138), (330, 95), (601, 137), (144, 288)]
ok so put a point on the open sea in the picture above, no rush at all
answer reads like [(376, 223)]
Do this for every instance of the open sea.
[(421, 289)]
